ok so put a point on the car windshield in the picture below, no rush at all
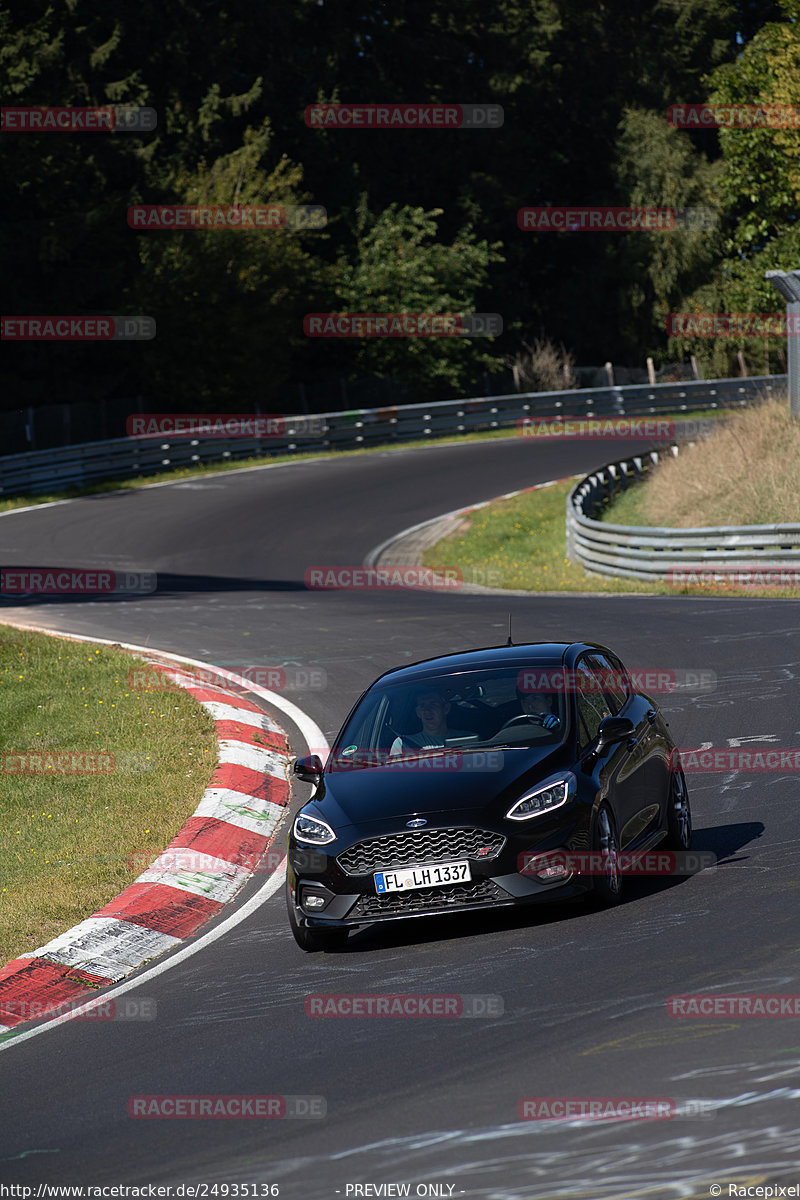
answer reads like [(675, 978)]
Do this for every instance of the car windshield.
[(464, 711)]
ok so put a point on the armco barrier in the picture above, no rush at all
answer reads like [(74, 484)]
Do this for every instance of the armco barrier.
[(649, 552), (123, 458)]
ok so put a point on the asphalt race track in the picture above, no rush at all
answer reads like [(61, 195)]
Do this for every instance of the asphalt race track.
[(432, 1101)]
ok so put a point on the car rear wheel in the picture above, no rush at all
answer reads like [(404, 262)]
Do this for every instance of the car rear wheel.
[(607, 889), (679, 814), (312, 940)]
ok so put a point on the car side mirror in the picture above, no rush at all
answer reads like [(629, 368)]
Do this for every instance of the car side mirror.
[(309, 769), (613, 730)]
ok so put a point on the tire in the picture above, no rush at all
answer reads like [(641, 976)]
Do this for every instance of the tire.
[(679, 814), (608, 887), (312, 940)]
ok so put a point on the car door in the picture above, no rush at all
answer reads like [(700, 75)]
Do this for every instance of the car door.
[(655, 753), (602, 695)]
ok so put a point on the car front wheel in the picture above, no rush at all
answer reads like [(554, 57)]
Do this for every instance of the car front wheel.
[(607, 889)]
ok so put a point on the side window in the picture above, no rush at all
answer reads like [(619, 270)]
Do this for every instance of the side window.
[(613, 680), (591, 703)]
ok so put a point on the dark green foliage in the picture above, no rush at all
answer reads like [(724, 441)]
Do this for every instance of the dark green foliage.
[(417, 220)]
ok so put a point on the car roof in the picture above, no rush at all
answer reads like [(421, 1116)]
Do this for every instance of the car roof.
[(527, 654)]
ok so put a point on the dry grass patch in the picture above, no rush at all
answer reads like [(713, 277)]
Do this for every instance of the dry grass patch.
[(746, 473)]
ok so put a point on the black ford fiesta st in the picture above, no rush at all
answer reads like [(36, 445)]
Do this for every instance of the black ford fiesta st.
[(503, 776)]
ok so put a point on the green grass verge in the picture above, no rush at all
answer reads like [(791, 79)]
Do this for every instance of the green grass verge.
[(519, 544), (68, 839), (628, 509), (215, 468)]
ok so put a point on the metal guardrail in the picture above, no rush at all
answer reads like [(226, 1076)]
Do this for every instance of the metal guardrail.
[(122, 458), (650, 552)]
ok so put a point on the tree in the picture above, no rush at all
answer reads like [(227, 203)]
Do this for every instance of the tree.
[(229, 304), (658, 166), (759, 192), (399, 267)]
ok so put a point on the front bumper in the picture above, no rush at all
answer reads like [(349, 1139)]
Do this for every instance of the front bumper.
[(351, 898)]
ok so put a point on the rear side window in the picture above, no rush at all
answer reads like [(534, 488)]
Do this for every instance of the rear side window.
[(591, 702), (613, 678)]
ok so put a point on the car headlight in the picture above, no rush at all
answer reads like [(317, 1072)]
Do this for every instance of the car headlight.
[(311, 829), (543, 798)]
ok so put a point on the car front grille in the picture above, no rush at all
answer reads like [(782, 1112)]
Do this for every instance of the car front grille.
[(420, 846), (421, 900)]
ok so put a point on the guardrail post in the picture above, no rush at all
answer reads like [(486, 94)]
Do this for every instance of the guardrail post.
[(793, 359), (788, 284)]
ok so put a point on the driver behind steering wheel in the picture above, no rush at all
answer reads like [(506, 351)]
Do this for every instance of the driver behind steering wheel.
[(539, 708)]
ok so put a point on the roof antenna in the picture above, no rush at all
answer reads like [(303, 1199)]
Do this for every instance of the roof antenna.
[(509, 642)]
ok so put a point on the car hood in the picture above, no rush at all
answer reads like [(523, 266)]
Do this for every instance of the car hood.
[(434, 784)]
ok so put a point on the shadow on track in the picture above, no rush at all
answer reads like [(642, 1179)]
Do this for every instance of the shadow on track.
[(723, 841)]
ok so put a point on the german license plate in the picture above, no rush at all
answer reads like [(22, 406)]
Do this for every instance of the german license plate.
[(404, 879)]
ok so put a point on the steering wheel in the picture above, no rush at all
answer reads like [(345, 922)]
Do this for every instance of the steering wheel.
[(529, 719)]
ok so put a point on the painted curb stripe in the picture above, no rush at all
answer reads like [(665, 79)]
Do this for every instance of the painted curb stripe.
[(210, 693), (237, 808), (243, 849), (238, 731), (222, 843), (166, 909), (255, 758), (243, 779), (106, 946), (204, 875), (226, 710), (207, 695), (25, 982)]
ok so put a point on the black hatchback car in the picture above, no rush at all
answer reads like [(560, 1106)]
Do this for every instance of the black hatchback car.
[(503, 776)]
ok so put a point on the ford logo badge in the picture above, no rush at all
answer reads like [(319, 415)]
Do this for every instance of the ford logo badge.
[(416, 824)]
